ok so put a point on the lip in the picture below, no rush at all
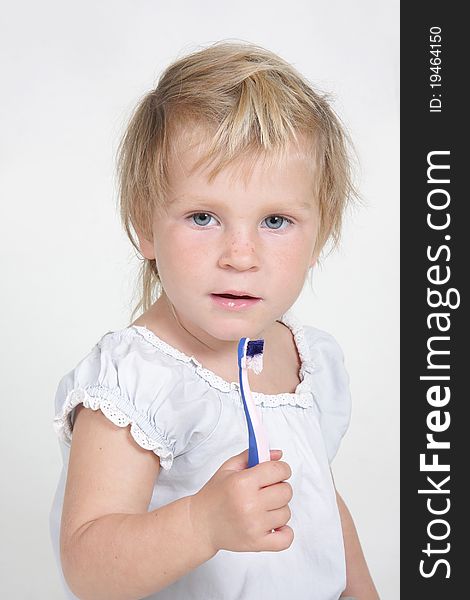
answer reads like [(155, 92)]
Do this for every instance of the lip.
[(234, 304), (237, 293)]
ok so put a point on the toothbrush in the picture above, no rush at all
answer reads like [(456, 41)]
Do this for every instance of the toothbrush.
[(250, 356)]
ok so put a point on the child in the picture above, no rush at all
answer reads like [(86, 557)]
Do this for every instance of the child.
[(234, 174)]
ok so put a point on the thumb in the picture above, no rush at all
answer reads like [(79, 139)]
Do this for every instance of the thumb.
[(239, 462)]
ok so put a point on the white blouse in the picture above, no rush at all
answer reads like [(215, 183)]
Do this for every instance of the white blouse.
[(194, 421)]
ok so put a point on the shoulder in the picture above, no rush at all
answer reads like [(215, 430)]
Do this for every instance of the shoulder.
[(128, 363), (135, 357), (323, 348), (135, 381), (326, 357), (319, 337)]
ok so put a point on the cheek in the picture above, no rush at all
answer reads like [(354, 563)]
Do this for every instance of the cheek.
[(181, 254), (291, 259), (192, 248)]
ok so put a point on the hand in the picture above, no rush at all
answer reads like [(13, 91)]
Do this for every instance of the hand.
[(238, 508)]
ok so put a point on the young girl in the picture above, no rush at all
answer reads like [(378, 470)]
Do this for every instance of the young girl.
[(234, 174)]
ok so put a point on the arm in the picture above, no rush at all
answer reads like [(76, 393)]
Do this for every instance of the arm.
[(111, 547), (359, 582)]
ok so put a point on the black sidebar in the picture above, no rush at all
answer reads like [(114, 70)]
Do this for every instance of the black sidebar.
[(435, 345)]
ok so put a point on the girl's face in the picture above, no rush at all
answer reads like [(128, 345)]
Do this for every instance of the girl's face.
[(237, 235)]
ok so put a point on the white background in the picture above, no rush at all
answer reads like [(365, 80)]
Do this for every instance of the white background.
[(71, 74)]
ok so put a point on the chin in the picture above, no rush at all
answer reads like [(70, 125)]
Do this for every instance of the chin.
[(232, 329), (227, 333)]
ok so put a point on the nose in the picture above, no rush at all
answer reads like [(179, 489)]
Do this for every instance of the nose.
[(240, 252)]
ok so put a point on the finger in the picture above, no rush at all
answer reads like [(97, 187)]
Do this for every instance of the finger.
[(279, 539), (271, 472), (239, 462), (276, 495), (276, 519)]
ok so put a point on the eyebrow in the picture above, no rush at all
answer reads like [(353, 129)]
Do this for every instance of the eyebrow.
[(290, 204)]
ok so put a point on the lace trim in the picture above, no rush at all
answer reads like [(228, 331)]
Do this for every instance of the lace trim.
[(63, 426), (301, 397)]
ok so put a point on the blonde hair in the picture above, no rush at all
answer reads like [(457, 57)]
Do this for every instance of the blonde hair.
[(250, 102)]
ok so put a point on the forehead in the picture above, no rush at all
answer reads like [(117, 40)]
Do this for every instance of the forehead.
[(292, 167)]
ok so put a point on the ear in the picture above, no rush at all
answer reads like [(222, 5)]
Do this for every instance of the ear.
[(146, 246), (313, 259)]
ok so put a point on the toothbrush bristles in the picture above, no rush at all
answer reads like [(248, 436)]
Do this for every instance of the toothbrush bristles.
[(254, 347), (254, 355)]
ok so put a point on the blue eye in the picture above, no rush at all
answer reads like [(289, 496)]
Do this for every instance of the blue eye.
[(276, 221), (273, 222), (201, 219)]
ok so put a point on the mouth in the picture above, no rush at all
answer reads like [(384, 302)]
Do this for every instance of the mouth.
[(234, 294), (234, 300)]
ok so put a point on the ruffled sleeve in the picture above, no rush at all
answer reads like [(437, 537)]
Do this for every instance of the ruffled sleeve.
[(330, 384), (133, 384)]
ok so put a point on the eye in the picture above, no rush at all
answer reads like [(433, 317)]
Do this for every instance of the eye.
[(201, 219), (276, 221)]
